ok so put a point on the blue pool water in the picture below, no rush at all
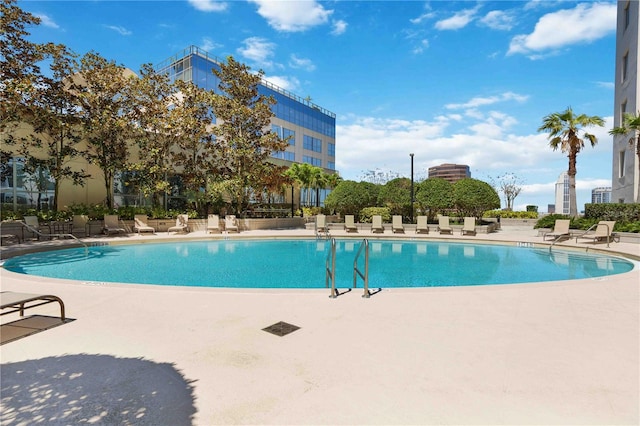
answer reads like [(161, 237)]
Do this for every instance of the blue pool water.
[(301, 264)]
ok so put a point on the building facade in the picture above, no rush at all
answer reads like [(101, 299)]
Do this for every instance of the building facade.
[(601, 195), (450, 172), (562, 194), (626, 172)]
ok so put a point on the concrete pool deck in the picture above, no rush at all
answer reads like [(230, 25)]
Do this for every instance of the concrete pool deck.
[(565, 352)]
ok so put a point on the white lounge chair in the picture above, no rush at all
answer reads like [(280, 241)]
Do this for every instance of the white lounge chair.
[(321, 226), (213, 223), (33, 226), (422, 225), (469, 226), (560, 230), (376, 224), (182, 224), (603, 232), (140, 224), (396, 224), (443, 225), (111, 225), (79, 224), (230, 223), (349, 223)]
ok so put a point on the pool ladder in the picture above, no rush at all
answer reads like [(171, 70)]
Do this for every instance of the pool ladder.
[(40, 234), (330, 268)]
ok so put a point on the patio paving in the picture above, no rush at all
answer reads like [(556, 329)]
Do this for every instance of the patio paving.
[(565, 352)]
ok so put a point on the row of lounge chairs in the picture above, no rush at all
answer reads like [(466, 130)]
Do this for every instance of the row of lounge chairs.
[(469, 227), (113, 225), (602, 231)]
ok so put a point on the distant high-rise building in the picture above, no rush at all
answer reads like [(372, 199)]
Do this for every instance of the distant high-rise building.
[(551, 208), (562, 193), (601, 194), (450, 172), (625, 177)]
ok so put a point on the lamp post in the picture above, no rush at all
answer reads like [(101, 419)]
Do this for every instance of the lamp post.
[(411, 155)]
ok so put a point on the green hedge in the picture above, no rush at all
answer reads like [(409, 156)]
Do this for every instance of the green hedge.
[(613, 211), (505, 214), (367, 214)]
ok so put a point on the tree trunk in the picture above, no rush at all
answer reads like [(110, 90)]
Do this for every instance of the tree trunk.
[(573, 203)]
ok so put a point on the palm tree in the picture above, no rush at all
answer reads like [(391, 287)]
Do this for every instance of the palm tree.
[(630, 124), (564, 132)]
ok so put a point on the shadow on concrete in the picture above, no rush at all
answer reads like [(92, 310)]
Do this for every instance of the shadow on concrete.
[(94, 389)]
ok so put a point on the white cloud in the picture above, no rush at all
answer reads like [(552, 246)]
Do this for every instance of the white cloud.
[(498, 20), (120, 30), (208, 5), (483, 101), (293, 16), (420, 47), (47, 21), (291, 84), (339, 27), (582, 24), (458, 20), (258, 50), (209, 45), (301, 63), (606, 84)]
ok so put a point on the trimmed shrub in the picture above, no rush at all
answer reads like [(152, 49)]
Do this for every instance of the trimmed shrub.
[(367, 214)]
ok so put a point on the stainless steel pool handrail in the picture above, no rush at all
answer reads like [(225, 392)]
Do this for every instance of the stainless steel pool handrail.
[(364, 245), (330, 269), (41, 234)]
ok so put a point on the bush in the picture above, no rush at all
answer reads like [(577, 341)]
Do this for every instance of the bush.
[(613, 211), (505, 214), (366, 214)]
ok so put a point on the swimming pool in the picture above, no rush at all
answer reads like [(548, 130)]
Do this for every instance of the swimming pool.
[(301, 264)]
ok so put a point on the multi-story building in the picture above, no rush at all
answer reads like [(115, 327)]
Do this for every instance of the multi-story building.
[(450, 172), (311, 128), (562, 194), (601, 195), (626, 171)]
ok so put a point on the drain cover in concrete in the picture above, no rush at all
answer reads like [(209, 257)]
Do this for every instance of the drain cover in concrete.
[(281, 328)]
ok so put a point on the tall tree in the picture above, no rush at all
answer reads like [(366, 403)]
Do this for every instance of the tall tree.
[(155, 137), (242, 115), (102, 87), (630, 125), (565, 130), (435, 195), (510, 186), (473, 197)]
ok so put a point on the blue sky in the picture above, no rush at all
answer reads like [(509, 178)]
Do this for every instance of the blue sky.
[(465, 82)]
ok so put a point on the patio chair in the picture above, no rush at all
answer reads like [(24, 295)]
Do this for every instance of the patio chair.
[(230, 223), (560, 230), (603, 231), (33, 226), (422, 226), (349, 223), (469, 227), (140, 224), (111, 225), (182, 224), (79, 224), (321, 226), (376, 224), (396, 224), (443, 225), (213, 224)]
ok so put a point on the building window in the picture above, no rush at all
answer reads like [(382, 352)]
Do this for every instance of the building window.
[(291, 134), (626, 16), (625, 65), (284, 155), (621, 162), (312, 160), (623, 111), (312, 144), (331, 165), (331, 149)]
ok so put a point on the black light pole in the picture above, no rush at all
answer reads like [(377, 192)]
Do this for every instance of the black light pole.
[(293, 213), (411, 155)]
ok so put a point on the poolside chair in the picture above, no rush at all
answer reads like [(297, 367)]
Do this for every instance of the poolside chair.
[(182, 224), (321, 226), (603, 231), (230, 223), (79, 224), (33, 226), (376, 224), (111, 225), (560, 230), (396, 224), (140, 224), (349, 223), (422, 225), (469, 226), (443, 225), (213, 224)]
